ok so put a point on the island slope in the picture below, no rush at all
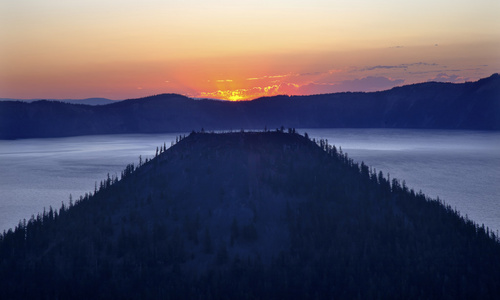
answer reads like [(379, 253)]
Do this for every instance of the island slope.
[(250, 215)]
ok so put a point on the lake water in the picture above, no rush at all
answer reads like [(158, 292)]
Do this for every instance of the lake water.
[(461, 167)]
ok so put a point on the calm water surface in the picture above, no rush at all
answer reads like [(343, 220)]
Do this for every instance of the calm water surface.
[(461, 167), (38, 173)]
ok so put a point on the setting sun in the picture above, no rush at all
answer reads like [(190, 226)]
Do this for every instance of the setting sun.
[(126, 50), (235, 96)]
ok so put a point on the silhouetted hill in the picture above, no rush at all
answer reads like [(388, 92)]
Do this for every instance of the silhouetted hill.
[(250, 215), (87, 101), (471, 105)]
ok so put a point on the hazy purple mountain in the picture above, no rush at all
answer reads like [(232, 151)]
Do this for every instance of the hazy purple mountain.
[(87, 101)]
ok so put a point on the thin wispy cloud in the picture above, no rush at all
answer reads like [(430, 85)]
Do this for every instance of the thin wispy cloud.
[(269, 77), (294, 75), (444, 77), (366, 84), (400, 66)]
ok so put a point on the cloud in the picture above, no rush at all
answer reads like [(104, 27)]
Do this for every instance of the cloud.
[(317, 88), (400, 66), (321, 73), (366, 84), (252, 93), (443, 77), (306, 83), (370, 83), (312, 74), (278, 76), (384, 67), (270, 76), (291, 76), (421, 64)]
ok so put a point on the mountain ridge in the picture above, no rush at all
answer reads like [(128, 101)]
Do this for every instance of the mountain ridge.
[(86, 101), (432, 105)]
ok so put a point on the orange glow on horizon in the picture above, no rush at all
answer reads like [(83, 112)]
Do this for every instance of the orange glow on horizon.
[(236, 96), (247, 94), (230, 95), (122, 50)]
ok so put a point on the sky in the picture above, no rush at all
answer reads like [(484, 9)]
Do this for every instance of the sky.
[(240, 50)]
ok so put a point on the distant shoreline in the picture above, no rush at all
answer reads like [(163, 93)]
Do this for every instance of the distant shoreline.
[(466, 106)]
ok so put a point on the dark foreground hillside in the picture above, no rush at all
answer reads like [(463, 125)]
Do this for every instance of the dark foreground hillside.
[(431, 105), (250, 215)]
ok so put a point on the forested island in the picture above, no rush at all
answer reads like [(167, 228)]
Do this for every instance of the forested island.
[(235, 215), (431, 105)]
